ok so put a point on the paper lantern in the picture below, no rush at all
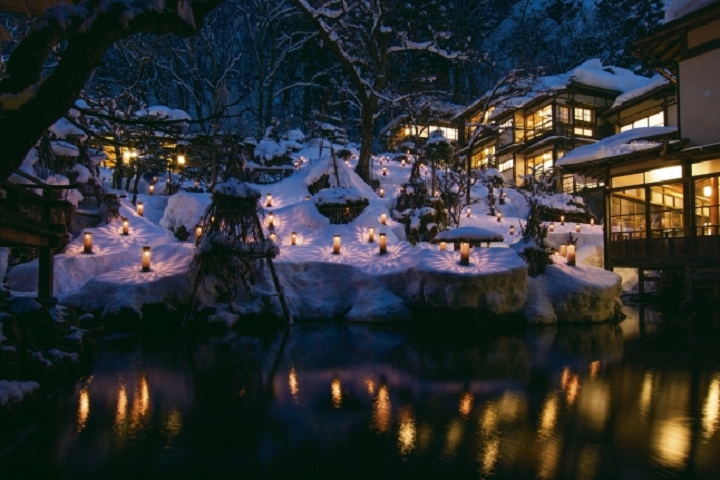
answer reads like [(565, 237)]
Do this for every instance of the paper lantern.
[(571, 255), (293, 238), (464, 253), (87, 242), (336, 244), (140, 208), (383, 243), (383, 219), (563, 250), (381, 192), (512, 229), (592, 221), (371, 235), (443, 246), (145, 259), (562, 219), (271, 220), (268, 200), (151, 190), (468, 212), (384, 171), (577, 228)]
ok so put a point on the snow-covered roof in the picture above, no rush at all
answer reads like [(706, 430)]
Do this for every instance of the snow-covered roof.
[(62, 128), (653, 83), (680, 8), (475, 234), (620, 144), (64, 148)]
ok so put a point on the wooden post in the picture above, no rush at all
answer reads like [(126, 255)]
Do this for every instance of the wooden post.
[(45, 274), (276, 281)]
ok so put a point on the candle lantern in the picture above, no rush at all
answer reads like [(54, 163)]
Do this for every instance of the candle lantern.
[(499, 216), (468, 212), (577, 228), (592, 221), (383, 243), (371, 235), (381, 192), (563, 250), (293, 238), (512, 229), (126, 227), (562, 219), (181, 159), (151, 190), (271, 220), (336, 244), (268, 201), (273, 237), (140, 208), (154, 181), (197, 184), (443, 246), (307, 197), (571, 255), (403, 162), (146, 259), (552, 227), (296, 164), (384, 171), (464, 253), (198, 234), (383, 219), (87, 242)]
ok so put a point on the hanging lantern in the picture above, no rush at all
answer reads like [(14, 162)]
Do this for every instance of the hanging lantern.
[(126, 227), (381, 192), (499, 216), (571, 255), (384, 171), (293, 238), (577, 228), (592, 221), (443, 246), (268, 201), (552, 227), (181, 159), (562, 219), (383, 243), (145, 259), (563, 250), (271, 220), (464, 253), (383, 219), (336, 244), (512, 229), (371, 235), (140, 208), (151, 190), (87, 242)]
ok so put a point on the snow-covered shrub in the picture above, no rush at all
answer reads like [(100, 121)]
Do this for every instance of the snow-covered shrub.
[(535, 248), (340, 204)]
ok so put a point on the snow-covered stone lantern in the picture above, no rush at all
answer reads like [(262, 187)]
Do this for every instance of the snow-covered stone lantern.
[(268, 200), (371, 235), (383, 219), (336, 244), (140, 208), (571, 255), (126, 227), (146, 258), (87, 242), (293, 238), (464, 253), (383, 243)]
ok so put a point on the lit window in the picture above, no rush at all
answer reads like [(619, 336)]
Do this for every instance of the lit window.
[(483, 157), (568, 184), (540, 163), (563, 114), (583, 115), (539, 122), (449, 133), (507, 165), (583, 132), (656, 120)]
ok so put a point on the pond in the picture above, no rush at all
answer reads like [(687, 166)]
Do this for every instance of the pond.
[(636, 400)]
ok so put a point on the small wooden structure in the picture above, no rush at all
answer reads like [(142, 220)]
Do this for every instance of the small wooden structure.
[(475, 236)]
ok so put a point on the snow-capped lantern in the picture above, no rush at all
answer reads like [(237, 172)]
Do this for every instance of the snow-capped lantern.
[(464, 253), (146, 258), (512, 229), (384, 171), (577, 228), (562, 219), (552, 227), (371, 235), (563, 250), (126, 227), (87, 242), (268, 200), (499, 216), (571, 255), (383, 243), (383, 219), (443, 246), (381, 192), (336, 244), (151, 190), (293, 238), (140, 208), (198, 234)]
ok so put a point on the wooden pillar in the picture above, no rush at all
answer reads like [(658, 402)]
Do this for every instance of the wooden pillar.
[(607, 225), (45, 273), (689, 219), (714, 211)]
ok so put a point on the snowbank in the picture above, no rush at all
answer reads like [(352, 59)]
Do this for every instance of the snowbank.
[(184, 209), (572, 294), (15, 391)]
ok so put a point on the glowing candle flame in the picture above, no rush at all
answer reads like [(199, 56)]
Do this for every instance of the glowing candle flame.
[(336, 390)]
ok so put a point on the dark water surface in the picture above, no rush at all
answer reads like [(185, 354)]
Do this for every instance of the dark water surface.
[(635, 400)]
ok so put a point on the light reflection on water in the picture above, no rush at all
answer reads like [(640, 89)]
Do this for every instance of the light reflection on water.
[(549, 404)]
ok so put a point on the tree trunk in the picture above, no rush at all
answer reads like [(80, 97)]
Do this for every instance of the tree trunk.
[(367, 114)]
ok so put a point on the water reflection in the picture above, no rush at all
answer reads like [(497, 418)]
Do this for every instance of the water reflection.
[(336, 391), (407, 431), (548, 417), (671, 441), (83, 409), (293, 383), (382, 413), (466, 403), (646, 394), (121, 411), (140, 413), (453, 436), (711, 407)]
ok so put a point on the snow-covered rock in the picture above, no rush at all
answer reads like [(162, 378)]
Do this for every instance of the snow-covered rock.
[(15, 391)]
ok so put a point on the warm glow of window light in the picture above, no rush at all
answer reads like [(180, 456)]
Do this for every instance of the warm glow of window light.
[(140, 208), (336, 244), (87, 242), (571, 255), (126, 157), (371, 235), (126, 227), (464, 253), (707, 191), (443, 246), (562, 219), (146, 259), (151, 190), (552, 227), (181, 159), (383, 244), (293, 238), (268, 200), (383, 219), (578, 229)]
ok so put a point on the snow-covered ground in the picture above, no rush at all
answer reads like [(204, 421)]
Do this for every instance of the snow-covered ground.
[(359, 283)]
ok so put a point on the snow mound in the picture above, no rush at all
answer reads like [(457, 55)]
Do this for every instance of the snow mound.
[(15, 391), (185, 209)]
